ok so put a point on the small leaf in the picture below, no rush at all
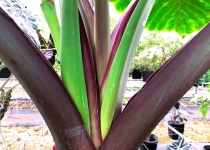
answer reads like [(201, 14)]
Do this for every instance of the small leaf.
[(184, 119), (50, 56), (203, 110)]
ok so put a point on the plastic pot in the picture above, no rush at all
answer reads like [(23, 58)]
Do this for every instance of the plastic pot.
[(178, 127), (136, 74), (5, 73), (206, 147), (151, 144), (146, 75)]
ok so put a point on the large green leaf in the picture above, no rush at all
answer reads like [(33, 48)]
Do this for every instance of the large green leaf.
[(120, 5), (182, 16)]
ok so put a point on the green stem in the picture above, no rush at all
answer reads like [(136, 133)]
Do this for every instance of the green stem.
[(49, 11), (122, 59), (101, 37), (72, 72)]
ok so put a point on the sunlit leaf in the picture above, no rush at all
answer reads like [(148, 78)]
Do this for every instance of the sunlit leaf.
[(182, 16), (203, 110), (120, 5)]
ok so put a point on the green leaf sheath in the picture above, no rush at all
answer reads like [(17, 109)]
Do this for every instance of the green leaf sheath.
[(87, 13), (123, 58), (91, 86), (49, 11), (116, 37), (182, 16), (71, 58), (146, 109), (101, 37)]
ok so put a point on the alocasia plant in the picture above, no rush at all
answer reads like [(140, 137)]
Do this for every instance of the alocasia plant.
[(83, 108)]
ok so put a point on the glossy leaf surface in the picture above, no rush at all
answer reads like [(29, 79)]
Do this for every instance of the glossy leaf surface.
[(182, 16)]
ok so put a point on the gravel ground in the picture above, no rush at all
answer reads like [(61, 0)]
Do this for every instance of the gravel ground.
[(15, 137)]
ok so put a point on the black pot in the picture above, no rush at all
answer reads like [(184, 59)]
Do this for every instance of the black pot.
[(206, 147), (151, 144), (178, 127), (136, 74), (5, 73), (146, 75)]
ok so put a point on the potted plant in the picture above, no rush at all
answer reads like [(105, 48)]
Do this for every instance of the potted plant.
[(179, 144), (177, 122), (154, 50), (59, 101), (4, 71), (136, 69), (206, 147), (136, 74), (150, 143), (146, 66)]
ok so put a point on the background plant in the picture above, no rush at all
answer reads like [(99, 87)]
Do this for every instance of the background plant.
[(179, 144), (203, 101), (155, 48), (204, 79), (176, 116)]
